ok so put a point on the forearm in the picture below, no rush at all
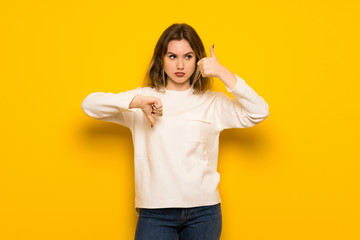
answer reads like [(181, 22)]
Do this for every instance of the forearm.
[(100, 105), (252, 105), (227, 77)]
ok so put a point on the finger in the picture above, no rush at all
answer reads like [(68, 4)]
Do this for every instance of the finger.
[(212, 53), (157, 103), (156, 107), (156, 112)]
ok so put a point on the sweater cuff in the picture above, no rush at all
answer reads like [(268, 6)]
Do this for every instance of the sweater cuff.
[(240, 87), (125, 102)]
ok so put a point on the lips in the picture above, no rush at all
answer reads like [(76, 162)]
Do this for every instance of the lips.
[(179, 74)]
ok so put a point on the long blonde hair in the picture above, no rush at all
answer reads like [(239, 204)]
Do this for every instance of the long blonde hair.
[(156, 72)]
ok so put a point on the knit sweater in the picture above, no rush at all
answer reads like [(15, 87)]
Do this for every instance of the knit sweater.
[(176, 160)]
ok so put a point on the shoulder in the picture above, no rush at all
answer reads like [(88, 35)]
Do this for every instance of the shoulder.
[(141, 90), (217, 97), (213, 94)]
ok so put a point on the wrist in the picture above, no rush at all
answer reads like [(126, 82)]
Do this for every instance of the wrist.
[(224, 73), (136, 102), (228, 78)]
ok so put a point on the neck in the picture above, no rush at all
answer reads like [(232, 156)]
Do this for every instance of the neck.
[(178, 86)]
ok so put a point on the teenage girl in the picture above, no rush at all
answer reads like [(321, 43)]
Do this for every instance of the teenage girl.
[(175, 123)]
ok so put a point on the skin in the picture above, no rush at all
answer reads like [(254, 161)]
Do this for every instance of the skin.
[(180, 57)]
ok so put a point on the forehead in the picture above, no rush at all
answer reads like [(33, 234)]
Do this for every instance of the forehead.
[(179, 46)]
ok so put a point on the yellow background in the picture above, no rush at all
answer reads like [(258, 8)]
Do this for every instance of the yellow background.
[(64, 175)]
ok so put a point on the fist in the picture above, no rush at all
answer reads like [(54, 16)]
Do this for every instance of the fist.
[(209, 67), (149, 105)]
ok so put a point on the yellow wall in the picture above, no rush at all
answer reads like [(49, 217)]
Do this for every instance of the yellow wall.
[(64, 175)]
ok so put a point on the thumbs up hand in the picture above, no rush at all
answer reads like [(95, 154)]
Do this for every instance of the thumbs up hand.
[(210, 67)]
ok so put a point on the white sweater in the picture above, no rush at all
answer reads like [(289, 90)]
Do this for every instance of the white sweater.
[(176, 160)]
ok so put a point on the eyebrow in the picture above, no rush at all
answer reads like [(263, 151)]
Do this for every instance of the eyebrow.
[(184, 54)]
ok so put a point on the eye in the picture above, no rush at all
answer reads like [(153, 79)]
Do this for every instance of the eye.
[(189, 56), (171, 56)]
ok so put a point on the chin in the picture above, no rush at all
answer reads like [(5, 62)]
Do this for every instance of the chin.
[(180, 79)]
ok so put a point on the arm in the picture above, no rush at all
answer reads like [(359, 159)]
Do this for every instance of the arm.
[(119, 107), (247, 110), (110, 106), (100, 104), (149, 105)]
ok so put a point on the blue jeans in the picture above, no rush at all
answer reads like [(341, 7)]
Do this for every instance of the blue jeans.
[(195, 223)]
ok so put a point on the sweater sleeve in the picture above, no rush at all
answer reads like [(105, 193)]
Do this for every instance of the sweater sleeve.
[(246, 110), (111, 107)]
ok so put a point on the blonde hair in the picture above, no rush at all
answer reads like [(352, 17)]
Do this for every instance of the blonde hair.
[(156, 73)]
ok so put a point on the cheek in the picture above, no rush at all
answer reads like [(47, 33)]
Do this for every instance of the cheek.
[(167, 65)]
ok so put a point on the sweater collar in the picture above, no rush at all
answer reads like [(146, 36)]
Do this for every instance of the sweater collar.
[(188, 91)]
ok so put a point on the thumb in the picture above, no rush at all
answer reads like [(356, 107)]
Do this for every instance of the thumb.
[(151, 119), (212, 53)]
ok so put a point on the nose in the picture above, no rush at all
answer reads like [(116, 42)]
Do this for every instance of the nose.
[(180, 64)]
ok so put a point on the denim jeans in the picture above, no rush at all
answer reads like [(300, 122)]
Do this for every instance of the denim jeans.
[(195, 223)]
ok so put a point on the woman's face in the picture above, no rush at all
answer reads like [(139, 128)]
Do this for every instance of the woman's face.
[(179, 58)]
